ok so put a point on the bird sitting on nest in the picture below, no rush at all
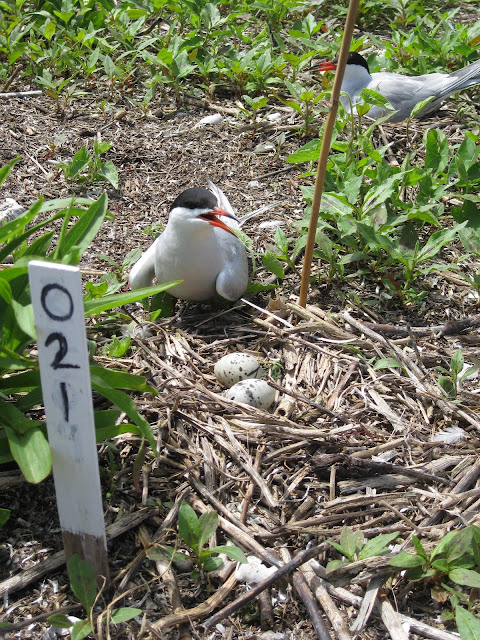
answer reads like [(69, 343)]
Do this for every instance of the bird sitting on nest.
[(199, 247), (403, 92)]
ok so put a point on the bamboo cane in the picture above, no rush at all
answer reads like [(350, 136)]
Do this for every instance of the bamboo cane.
[(325, 149)]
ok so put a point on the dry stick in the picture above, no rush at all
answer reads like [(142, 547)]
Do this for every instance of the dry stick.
[(415, 626), (308, 599), (336, 619), (55, 561), (325, 149), (415, 374), (298, 560)]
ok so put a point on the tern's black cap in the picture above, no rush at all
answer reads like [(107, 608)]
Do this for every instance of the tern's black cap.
[(355, 58), (195, 198)]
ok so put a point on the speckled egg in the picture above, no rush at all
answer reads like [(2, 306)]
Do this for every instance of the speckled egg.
[(256, 393), (237, 366)]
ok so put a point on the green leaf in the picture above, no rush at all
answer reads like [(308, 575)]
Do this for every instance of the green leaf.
[(188, 525), (5, 170), (377, 546), (82, 233), (59, 620), (468, 625), (374, 98), (419, 548), (465, 577), (82, 581), (386, 363), (405, 560), (166, 553), (420, 105), (310, 152), (79, 162), (118, 379), (4, 516), (234, 553), (81, 630), (118, 299), (444, 544), (31, 452), (123, 614), (436, 154), (211, 564), (273, 264), (126, 404), (351, 541), (108, 171), (208, 522)]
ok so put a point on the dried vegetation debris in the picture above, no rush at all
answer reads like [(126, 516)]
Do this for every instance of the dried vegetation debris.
[(347, 444)]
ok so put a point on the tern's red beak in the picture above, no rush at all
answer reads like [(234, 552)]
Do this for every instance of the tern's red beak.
[(213, 219), (327, 66)]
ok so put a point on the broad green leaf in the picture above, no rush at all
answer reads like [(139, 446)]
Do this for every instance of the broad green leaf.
[(81, 630), (420, 105), (234, 553), (376, 546), (405, 560), (465, 577), (108, 171), (31, 452), (4, 516), (82, 581), (438, 240), (386, 363), (310, 152), (208, 522), (60, 621), (15, 419), (123, 614), (351, 541), (468, 625), (211, 564), (273, 264), (188, 525), (166, 553), (24, 318), (118, 379), (79, 162), (374, 98), (436, 154)]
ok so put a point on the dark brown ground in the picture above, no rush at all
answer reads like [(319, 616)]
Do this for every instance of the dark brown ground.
[(207, 442)]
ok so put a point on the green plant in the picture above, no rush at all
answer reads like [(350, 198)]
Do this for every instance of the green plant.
[(452, 378), (84, 585), (22, 435), (91, 168), (195, 532), (454, 563), (353, 547)]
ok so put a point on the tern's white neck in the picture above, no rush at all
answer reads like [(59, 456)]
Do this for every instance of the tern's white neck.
[(355, 79)]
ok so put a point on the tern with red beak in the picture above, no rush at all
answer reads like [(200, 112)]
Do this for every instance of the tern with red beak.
[(198, 246), (403, 92)]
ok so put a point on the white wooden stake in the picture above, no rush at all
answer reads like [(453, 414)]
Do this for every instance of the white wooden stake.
[(56, 294)]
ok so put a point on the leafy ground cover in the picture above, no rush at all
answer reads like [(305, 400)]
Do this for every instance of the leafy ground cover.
[(373, 441)]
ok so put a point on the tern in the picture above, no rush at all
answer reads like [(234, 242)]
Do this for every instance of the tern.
[(403, 92), (199, 247)]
